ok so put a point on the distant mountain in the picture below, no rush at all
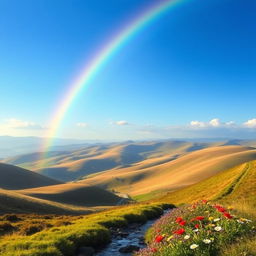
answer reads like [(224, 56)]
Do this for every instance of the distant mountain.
[(13, 177), (12, 146)]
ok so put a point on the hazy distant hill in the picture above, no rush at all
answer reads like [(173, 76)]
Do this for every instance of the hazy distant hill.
[(13, 177), (75, 164), (12, 146)]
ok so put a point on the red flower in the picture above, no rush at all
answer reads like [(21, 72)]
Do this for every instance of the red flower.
[(204, 201), (153, 250), (158, 230), (219, 208), (227, 215), (159, 238), (179, 219), (197, 226), (179, 231), (183, 223), (199, 217)]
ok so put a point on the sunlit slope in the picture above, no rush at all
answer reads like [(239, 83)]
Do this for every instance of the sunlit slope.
[(73, 165), (211, 188), (173, 175), (242, 193), (13, 177), (74, 194), (12, 202), (235, 187)]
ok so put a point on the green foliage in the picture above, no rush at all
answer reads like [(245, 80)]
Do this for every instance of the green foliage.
[(90, 230)]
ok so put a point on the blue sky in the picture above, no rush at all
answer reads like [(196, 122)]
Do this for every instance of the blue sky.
[(197, 62)]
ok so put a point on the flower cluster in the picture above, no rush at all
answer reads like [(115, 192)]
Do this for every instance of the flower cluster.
[(199, 229)]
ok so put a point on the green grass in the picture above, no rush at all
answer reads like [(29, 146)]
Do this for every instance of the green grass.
[(91, 230)]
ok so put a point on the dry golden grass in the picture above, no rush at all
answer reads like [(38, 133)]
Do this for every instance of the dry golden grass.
[(74, 194), (173, 175), (12, 202), (75, 164), (13, 177)]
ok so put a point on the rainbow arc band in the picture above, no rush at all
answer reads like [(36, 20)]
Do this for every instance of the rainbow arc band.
[(93, 66)]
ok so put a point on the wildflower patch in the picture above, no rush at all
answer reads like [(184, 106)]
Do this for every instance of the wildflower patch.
[(198, 230)]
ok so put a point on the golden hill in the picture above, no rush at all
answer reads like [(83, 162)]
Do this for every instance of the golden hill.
[(173, 175), (234, 187), (76, 164), (74, 194), (13, 202), (13, 177)]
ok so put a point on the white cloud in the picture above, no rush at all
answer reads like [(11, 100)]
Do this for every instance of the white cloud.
[(250, 123), (14, 123), (121, 123), (214, 123), (214, 128), (83, 125), (197, 124)]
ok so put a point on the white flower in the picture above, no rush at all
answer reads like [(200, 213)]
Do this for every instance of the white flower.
[(193, 246), (186, 237), (239, 221), (217, 219), (196, 230), (207, 241), (218, 228)]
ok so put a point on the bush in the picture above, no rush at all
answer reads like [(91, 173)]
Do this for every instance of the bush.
[(31, 229), (6, 226), (11, 217)]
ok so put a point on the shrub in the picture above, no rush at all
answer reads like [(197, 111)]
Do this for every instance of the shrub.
[(6, 226), (11, 217), (31, 229)]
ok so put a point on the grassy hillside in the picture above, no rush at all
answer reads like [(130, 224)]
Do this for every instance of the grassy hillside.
[(74, 194), (91, 230), (230, 187), (234, 187), (13, 177), (12, 202), (173, 175)]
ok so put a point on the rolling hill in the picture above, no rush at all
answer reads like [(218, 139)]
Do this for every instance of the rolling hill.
[(173, 175), (13, 177), (13, 202), (234, 187), (76, 164), (74, 194)]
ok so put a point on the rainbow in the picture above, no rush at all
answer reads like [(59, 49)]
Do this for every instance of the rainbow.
[(92, 67)]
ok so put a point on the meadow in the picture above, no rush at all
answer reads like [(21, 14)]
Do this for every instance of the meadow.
[(229, 195), (58, 236)]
